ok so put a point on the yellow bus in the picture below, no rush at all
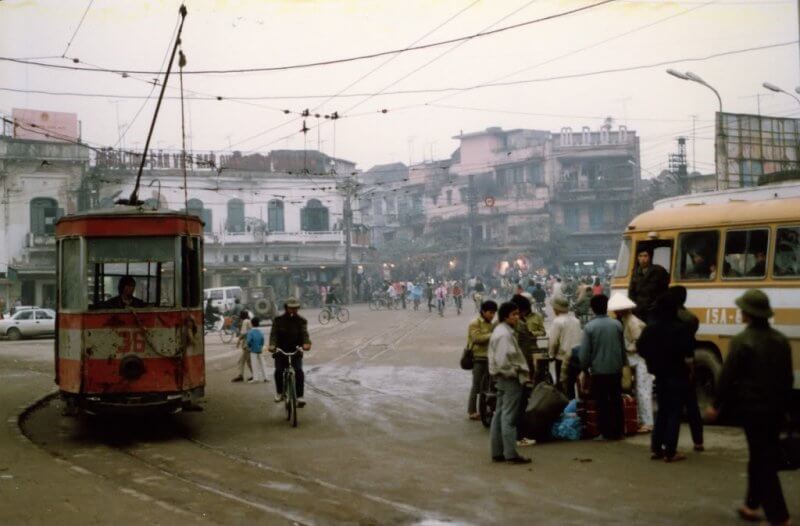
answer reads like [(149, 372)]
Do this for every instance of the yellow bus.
[(718, 245)]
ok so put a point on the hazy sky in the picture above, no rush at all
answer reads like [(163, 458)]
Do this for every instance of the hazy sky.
[(136, 34)]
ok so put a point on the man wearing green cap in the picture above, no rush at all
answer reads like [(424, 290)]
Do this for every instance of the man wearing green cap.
[(289, 330), (755, 387)]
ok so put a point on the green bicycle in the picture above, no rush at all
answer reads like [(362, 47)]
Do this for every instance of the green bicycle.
[(290, 386)]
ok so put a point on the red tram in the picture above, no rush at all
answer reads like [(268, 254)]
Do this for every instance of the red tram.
[(129, 330)]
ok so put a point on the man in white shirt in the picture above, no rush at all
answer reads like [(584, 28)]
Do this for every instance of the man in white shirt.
[(557, 289), (508, 367), (565, 333)]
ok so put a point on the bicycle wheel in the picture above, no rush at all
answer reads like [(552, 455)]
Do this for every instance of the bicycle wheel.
[(226, 335), (343, 315), (288, 381), (487, 401), (324, 316), (291, 402), (373, 305)]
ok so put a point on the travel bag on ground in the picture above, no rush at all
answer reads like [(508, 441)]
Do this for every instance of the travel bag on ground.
[(544, 407)]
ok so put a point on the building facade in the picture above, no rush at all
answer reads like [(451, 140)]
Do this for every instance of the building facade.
[(276, 224)]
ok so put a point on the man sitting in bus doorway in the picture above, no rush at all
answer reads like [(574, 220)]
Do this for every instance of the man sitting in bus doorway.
[(289, 330), (125, 299), (649, 282)]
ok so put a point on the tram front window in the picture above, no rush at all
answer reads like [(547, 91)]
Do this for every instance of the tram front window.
[(131, 273)]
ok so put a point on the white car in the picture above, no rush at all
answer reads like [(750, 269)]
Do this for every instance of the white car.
[(29, 322)]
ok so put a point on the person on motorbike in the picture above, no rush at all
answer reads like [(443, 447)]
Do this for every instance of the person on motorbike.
[(211, 316)]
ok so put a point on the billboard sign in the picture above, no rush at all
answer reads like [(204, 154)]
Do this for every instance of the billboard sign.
[(756, 146), (39, 125)]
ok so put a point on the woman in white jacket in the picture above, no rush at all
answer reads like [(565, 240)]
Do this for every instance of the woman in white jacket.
[(622, 308)]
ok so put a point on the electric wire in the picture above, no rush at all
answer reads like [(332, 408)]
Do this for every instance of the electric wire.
[(326, 62)]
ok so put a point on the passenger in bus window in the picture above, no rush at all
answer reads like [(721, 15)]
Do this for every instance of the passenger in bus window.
[(701, 269), (787, 252), (125, 299), (759, 269)]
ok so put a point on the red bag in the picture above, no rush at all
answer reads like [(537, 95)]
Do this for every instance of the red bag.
[(630, 415)]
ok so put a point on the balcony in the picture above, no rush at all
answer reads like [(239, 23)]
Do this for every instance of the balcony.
[(42, 151), (263, 238), (40, 241)]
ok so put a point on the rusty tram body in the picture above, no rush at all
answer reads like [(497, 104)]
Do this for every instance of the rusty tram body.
[(113, 355)]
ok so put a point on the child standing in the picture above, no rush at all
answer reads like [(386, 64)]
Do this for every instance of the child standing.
[(255, 343)]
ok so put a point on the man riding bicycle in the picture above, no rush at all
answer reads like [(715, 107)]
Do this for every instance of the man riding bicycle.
[(289, 330)]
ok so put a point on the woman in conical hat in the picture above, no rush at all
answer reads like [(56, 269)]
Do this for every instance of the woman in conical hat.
[(622, 308)]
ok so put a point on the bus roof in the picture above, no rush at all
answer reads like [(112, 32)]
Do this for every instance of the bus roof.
[(722, 214)]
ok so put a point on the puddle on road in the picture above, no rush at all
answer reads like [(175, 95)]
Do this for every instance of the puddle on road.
[(282, 486)]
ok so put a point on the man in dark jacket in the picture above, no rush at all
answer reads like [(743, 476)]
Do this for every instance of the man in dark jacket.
[(603, 353), (289, 330), (678, 293), (755, 387), (666, 344), (649, 282)]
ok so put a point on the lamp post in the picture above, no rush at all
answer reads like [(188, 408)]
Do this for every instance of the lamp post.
[(777, 89), (720, 154)]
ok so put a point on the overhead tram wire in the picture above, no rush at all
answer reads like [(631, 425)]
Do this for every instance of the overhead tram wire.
[(326, 62), (623, 69), (437, 57), (72, 38), (380, 66), (584, 48), (395, 56), (460, 42)]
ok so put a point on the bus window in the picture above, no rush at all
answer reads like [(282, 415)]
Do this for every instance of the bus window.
[(787, 253), (745, 254), (149, 262), (661, 253), (623, 259), (697, 255)]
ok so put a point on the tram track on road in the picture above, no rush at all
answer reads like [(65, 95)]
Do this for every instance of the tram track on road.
[(166, 466), (365, 352)]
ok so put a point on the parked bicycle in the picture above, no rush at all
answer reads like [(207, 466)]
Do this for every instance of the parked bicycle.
[(290, 386), (334, 310)]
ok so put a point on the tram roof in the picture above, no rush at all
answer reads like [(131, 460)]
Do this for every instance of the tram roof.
[(138, 221), (693, 215)]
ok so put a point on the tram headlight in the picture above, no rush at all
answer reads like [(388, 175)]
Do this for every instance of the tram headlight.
[(131, 367)]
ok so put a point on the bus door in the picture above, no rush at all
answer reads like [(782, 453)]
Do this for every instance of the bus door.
[(662, 253)]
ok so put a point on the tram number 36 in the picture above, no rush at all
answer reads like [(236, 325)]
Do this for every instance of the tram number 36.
[(721, 316), (132, 341)]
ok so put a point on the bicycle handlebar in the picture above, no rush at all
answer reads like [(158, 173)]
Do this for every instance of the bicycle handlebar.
[(296, 350)]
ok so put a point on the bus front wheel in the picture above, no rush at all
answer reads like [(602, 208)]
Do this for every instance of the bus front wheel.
[(707, 368)]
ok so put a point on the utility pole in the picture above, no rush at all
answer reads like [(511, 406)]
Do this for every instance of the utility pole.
[(694, 121), (347, 188), (473, 205)]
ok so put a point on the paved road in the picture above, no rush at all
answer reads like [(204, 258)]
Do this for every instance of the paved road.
[(384, 440)]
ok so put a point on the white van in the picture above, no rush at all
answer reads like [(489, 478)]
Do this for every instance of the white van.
[(222, 297)]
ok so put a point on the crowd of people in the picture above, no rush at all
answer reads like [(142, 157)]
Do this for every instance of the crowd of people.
[(649, 335)]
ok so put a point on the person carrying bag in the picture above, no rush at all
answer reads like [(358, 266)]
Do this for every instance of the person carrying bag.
[(478, 336)]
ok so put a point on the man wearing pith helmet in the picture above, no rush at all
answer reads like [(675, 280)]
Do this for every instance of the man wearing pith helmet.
[(754, 388), (289, 330)]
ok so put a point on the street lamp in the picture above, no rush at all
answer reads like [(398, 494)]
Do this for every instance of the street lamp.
[(719, 138), (777, 89)]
